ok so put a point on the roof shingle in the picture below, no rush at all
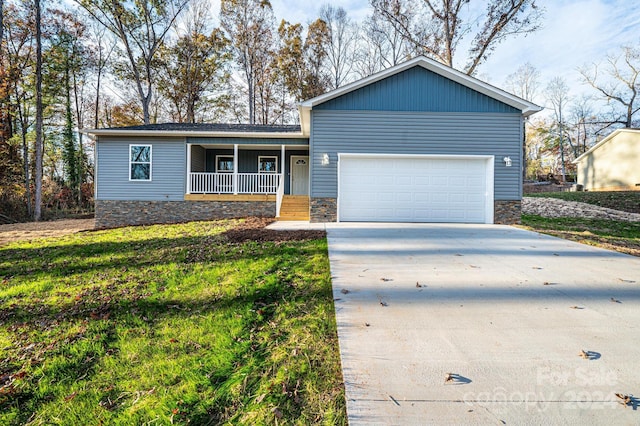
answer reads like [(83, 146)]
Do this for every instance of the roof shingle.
[(214, 127)]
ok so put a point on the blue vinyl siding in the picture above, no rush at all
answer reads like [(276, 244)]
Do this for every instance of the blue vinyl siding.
[(417, 89), (248, 160), (249, 141), (167, 167), (384, 132), (198, 159)]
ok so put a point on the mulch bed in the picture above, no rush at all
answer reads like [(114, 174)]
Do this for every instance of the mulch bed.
[(254, 229)]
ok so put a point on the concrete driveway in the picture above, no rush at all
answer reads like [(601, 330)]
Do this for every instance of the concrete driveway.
[(483, 324)]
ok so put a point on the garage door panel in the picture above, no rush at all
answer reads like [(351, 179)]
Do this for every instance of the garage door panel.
[(413, 189)]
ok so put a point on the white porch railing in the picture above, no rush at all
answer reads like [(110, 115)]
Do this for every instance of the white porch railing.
[(224, 183), (279, 198)]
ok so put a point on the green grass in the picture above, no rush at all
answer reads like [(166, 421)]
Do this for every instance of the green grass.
[(628, 201), (610, 234), (167, 324)]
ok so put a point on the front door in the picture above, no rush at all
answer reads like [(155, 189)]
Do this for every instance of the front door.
[(299, 175)]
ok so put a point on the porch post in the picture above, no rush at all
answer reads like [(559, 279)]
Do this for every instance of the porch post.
[(282, 165), (188, 168), (235, 169)]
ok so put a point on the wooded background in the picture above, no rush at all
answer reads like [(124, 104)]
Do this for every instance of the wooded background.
[(65, 67)]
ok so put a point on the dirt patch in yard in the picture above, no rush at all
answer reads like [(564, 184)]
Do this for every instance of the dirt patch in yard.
[(32, 230), (254, 229)]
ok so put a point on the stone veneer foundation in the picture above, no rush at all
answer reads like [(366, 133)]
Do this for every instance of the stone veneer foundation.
[(112, 213), (507, 212), (323, 210)]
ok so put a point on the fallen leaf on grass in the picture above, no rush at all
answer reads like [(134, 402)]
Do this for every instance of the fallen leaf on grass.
[(276, 411), (70, 397)]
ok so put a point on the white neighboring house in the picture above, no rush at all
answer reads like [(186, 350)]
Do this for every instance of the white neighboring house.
[(613, 164)]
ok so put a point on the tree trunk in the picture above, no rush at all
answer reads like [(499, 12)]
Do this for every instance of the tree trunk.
[(37, 212), (80, 155), (97, 112)]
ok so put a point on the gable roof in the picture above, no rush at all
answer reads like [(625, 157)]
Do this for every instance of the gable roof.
[(305, 107), (202, 130), (606, 140), (523, 105)]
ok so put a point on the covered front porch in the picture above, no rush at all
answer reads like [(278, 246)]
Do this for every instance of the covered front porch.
[(247, 169), (247, 172)]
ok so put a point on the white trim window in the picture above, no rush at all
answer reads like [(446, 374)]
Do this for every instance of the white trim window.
[(224, 163), (140, 162), (267, 164)]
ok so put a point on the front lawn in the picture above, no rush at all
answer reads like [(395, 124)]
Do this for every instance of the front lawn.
[(610, 234), (174, 324), (628, 201)]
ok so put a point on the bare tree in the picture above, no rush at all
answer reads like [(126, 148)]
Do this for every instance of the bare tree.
[(102, 47), (381, 46), (249, 24), (557, 92), (438, 27), (193, 65), (20, 68), (524, 82), (620, 85), (141, 27), (584, 125), (340, 48)]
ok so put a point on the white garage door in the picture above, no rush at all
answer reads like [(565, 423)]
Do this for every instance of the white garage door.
[(381, 188)]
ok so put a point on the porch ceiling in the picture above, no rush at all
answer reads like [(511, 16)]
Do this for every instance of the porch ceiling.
[(252, 147)]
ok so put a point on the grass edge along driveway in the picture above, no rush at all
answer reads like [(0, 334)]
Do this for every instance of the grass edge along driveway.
[(184, 324)]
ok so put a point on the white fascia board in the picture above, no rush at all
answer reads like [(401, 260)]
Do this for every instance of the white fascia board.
[(183, 134), (523, 105), (305, 119)]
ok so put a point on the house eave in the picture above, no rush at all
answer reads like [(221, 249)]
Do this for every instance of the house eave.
[(94, 133)]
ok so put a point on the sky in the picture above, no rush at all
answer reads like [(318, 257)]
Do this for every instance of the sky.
[(574, 33)]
